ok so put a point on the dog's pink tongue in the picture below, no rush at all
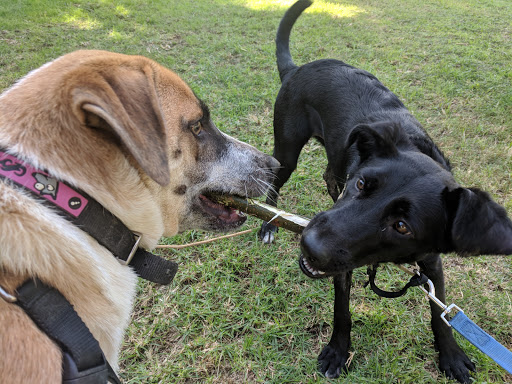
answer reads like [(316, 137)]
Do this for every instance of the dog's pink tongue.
[(229, 215)]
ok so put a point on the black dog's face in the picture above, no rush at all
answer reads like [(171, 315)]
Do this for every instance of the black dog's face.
[(392, 210), (398, 206)]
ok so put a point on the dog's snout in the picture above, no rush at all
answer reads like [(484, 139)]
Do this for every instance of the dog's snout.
[(272, 163), (267, 167), (314, 248), (267, 162)]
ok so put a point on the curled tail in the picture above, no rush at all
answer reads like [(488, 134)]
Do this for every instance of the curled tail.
[(284, 58)]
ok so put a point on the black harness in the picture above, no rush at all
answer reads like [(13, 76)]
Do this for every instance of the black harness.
[(83, 361)]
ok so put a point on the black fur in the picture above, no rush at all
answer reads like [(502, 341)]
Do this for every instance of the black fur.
[(400, 202)]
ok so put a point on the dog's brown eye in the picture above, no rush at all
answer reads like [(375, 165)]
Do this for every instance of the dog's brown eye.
[(401, 228), (360, 184), (196, 128)]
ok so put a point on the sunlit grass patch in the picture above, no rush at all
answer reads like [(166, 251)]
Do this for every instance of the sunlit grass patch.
[(80, 19), (328, 7)]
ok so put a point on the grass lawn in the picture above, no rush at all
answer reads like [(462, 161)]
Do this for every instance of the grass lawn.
[(240, 311)]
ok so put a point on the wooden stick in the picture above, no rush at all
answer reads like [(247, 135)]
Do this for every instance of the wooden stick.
[(289, 221), (264, 212)]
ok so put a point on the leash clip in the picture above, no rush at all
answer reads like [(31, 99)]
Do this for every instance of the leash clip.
[(431, 294), (138, 236), (448, 310)]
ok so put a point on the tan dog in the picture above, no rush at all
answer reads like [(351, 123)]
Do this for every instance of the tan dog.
[(133, 136)]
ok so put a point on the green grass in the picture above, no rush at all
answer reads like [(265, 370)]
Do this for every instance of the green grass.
[(240, 311)]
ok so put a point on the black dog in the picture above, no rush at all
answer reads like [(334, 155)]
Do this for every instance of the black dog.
[(399, 201)]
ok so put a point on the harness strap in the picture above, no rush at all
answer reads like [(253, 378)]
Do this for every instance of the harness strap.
[(82, 359), (413, 282)]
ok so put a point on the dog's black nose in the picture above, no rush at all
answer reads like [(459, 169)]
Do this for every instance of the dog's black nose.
[(313, 248), (273, 164)]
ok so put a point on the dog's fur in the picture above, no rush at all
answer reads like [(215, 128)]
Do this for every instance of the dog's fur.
[(132, 135), (400, 202)]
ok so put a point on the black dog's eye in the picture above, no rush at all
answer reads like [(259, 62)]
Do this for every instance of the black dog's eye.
[(360, 184), (401, 228), (196, 128)]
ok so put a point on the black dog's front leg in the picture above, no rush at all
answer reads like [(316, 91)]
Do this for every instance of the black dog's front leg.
[(452, 360), (334, 356)]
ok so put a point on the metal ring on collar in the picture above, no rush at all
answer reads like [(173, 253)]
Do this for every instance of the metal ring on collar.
[(7, 296), (134, 249)]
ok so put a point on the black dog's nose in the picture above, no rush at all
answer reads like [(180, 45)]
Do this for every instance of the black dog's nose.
[(313, 247)]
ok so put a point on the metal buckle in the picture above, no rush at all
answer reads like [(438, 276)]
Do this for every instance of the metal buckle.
[(7, 296), (431, 294), (448, 310), (134, 249)]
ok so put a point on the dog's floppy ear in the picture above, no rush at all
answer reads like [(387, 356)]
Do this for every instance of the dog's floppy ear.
[(379, 139), (479, 225), (124, 100)]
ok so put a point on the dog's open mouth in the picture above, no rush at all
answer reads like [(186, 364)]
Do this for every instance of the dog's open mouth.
[(226, 217), (308, 270)]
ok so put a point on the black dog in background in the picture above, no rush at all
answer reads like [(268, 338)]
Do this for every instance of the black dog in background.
[(399, 201)]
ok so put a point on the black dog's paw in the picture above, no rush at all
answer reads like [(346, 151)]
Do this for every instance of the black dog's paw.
[(456, 365), (331, 362), (266, 233)]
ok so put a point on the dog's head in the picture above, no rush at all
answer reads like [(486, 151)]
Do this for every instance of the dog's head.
[(132, 134), (398, 205)]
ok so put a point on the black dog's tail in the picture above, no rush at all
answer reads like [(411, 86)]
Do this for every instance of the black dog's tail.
[(284, 58)]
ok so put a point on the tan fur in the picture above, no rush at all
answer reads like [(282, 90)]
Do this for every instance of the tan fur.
[(111, 125)]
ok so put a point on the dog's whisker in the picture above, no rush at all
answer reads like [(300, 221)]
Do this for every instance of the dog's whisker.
[(262, 186), (269, 186), (269, 198), (259, 181), (266, 187), (257, 185), (267, 172)]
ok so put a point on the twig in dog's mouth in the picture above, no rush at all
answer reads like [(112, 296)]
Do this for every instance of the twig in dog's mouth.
[(267, 212), (262, 211)]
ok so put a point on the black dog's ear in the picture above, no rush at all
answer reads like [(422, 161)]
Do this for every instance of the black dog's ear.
[(378, 139), (479, 225)]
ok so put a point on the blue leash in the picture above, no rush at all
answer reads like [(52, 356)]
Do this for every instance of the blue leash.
[(468, 329), (482, 340)]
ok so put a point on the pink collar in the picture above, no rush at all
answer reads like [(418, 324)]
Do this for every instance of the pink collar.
[(42, 184)]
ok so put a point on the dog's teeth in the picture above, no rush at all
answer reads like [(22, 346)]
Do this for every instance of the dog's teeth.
[(312, 270)]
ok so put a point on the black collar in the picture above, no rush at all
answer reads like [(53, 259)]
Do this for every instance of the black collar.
[(90, 216)]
